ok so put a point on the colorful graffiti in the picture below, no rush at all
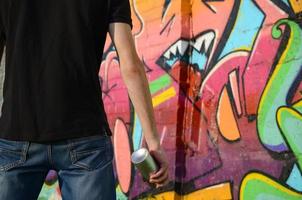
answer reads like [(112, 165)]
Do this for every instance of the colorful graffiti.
[(225, 79), (235, 79)]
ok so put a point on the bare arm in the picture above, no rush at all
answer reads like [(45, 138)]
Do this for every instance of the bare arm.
[(134, 76)]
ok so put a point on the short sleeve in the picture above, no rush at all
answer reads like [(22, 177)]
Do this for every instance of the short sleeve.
[(2, 35), (2, 43), (120, 11), (2, 29), (1, 24)]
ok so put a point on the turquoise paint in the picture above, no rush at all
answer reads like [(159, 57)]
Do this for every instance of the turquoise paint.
[(247, 25), (286, 2), (295, 179), (199, 59), (277, 89), (137, 133)]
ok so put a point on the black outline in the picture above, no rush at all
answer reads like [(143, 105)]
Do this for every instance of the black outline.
[(232, 106), (165, 6), (225, 35), (267, 175)]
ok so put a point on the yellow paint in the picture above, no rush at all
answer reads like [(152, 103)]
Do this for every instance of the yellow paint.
[(163, 196), (164, 96), (118, 188), (293, 112), (268, 181), (296, 5), (298, 104), (244, 48), (221, 192)]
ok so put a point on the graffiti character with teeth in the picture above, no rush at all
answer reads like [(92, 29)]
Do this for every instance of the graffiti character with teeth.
[(202, 78)]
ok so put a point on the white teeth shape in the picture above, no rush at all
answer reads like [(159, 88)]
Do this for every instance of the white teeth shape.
[(205, 39), (180, 46)]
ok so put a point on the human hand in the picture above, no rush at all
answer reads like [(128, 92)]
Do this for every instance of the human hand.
[(161, 176)]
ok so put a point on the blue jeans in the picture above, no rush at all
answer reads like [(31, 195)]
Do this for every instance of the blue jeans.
[(84, 167)]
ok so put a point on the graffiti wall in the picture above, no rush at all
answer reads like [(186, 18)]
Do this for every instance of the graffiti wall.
[(225, 78)]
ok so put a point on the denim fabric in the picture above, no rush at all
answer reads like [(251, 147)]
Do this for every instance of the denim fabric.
[(84, 166)]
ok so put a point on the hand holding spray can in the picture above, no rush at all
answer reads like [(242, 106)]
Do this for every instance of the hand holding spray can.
[(142, 159)]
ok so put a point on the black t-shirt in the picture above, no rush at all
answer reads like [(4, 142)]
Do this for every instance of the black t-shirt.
[(53, 53)]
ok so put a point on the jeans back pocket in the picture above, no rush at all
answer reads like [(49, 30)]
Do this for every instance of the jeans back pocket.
[(90, 153), (12, 153)]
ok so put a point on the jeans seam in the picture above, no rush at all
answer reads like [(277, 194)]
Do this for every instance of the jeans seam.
[(70, 148), (11, 151), (108, 163), (18, 162), (24, 151), (49, 155), (74, 157)]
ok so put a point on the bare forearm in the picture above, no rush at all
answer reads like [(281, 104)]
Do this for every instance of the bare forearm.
[(138, 89), (134, 76)]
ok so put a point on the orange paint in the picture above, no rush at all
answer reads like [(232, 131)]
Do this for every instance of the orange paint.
[(225, 118), (296, 5), (164, 30)]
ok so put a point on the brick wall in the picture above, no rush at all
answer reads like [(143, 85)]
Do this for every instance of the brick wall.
[(227, 100)]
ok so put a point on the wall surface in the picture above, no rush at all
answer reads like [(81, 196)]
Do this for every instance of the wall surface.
[(225, 78)]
